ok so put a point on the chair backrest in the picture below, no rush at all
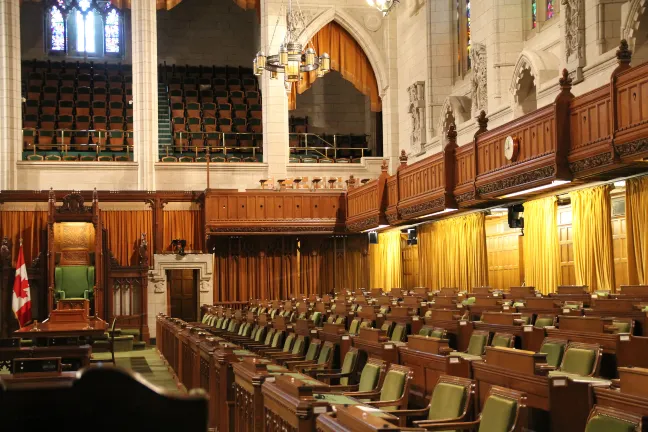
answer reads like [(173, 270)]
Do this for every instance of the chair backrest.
[(349, 365), (450, 398), (259, 335), (504, 340), (269, 336), (317, 319), (313, 349), (545, 321), (371, 375), (395, 386), (580, 359), (298, 348), (353, 328), (605, 419), (501, 410), (477, 343), (554, 348), (325, 354), (288, 342), (74, 280), (398, 333), (276, 339)]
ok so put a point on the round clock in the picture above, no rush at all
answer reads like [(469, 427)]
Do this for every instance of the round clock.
[(511, 148)]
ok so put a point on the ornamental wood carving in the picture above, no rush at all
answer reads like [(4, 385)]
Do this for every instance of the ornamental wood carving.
[(268, 211), (366, 204)]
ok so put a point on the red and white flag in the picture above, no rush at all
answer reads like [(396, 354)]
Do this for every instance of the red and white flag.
[(21, 302)]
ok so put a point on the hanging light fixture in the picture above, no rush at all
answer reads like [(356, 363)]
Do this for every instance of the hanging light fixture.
[(292, 60), (384, 6)]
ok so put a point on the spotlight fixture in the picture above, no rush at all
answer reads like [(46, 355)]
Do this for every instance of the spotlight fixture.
[(384, 6)]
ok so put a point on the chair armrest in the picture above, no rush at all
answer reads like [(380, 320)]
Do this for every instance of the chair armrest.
[(412, 412), (359, 394), (543, 369), (431, 425), (384, 403), (296, 364), (445, 350), (339, 389)]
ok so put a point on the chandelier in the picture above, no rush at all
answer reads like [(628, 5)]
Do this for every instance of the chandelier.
[(292, 60), (383, 6)]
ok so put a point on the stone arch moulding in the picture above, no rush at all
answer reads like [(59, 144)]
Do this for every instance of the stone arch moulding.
[(631, 24), (455, 109), (543, 66), (356, 30)]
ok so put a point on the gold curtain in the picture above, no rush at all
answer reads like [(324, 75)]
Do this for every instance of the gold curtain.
[(385, 261), (592, 226), (637, 229), (347, 57), (541, 249), (452, 253), (26, 225), (356, 262), (125, 228), (184, 224)]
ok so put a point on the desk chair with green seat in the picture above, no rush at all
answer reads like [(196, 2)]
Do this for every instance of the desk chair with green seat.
[(504, 410), (324, 360), (342, 375), (311, 354), (606, 419), (545, 320), (435, 332), (370, 380), (476, 346), (504, 340), (297, 350), (287, 346), (275, 343), (399, 333), (554, 348), (579, 360), (74, 282), (394, 392), (451, 401)]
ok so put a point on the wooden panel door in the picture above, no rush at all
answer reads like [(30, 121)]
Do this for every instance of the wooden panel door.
[(182, 293), (504, 253), (410, 265), (566, 241)]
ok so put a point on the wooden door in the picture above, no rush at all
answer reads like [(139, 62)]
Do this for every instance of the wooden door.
[(182, 293)]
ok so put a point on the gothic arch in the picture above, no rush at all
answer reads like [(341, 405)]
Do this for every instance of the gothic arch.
[(631, 24), (455, 110), (544, 67), (361, 36)]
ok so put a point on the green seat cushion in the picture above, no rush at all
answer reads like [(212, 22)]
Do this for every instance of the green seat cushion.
[(347, 366), (74, 281), (497, 415), (578, 361), (312, 352), (324, 354), (276, 340), (447, 401), (554, 352), (526, 319), (398, 334), (299, 346), (469, 301), (425, 331), (369, 377), (205, 318), (544, 322), (622, 327), (604, 423), (317, 318), (477, 344), (501, 341), (392, 388), (466, 356), (518, 304), (339, 320), (288, 343), (353, 328), (269, 336), (437, 333)]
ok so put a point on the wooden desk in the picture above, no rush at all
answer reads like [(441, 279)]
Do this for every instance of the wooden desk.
[(29, 381), (423, 355), (631, 351), (95, 327), (632, 394), (515, 369), (76, 355), (333, 333), (458, 330), (620, 308), (374, 343), (571, 401), (356, 419)]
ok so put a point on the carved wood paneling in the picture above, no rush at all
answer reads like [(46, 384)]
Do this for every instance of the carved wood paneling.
[(261, 211), (465, 164), (366, 204), (392, 200), (631, 98)]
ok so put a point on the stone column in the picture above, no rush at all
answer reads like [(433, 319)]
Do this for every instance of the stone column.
[(275, 100), (10, 99), (389, 95), (145, 91)]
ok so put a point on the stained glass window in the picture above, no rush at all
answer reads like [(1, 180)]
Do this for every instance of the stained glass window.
[(111, 32), (459, 37), (57, 30), (468, 40), (85, 32), (550, 9), (534, 13)]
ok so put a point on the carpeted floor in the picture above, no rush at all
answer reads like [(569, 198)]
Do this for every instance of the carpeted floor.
[(147, 363)]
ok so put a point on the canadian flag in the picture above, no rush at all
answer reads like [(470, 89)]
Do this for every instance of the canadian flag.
[(21, 302)]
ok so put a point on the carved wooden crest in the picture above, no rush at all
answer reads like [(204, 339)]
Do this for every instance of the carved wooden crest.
[(73, 204)]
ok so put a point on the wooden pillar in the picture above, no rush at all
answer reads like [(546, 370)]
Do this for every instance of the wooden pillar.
[(5, 287)]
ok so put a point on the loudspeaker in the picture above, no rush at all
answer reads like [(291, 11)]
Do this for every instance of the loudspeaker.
[(515, 219), (412, 238), (373, 237)]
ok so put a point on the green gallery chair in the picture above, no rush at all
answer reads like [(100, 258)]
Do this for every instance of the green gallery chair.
[(451, 401), (579, 360), (74, 282), (342, 375), (607, 419), (554, 348), (476, 346), (394, 392), (297, 350), (324, 360)]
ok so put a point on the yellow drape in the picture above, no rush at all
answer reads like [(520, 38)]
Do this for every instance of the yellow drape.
[(183, 224), (541, 249), (385, 258), (26, 225), (125, 228), (637, 229), (452, 253), (347, 57), (592, 226)]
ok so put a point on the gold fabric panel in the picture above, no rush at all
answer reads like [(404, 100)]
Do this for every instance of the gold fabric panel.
[(125, 228), (541, 260), (183, 224), (637, 229), (386, 262), (26, 225)]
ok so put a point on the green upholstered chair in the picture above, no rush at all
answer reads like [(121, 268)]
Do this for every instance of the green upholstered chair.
[(505, 340), (394, 392), (342, 375), (399, 333), (311, 352), (476, 345), (469, 301), (435, 332), (622, 326), (205, 318), (451, 401), (579, 359), (74, 282), (354, 327), (317, 319), (554, 348), (605, 419), (339, 320), (387, 327), (543, 321), (324, 360), (370, 380)]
